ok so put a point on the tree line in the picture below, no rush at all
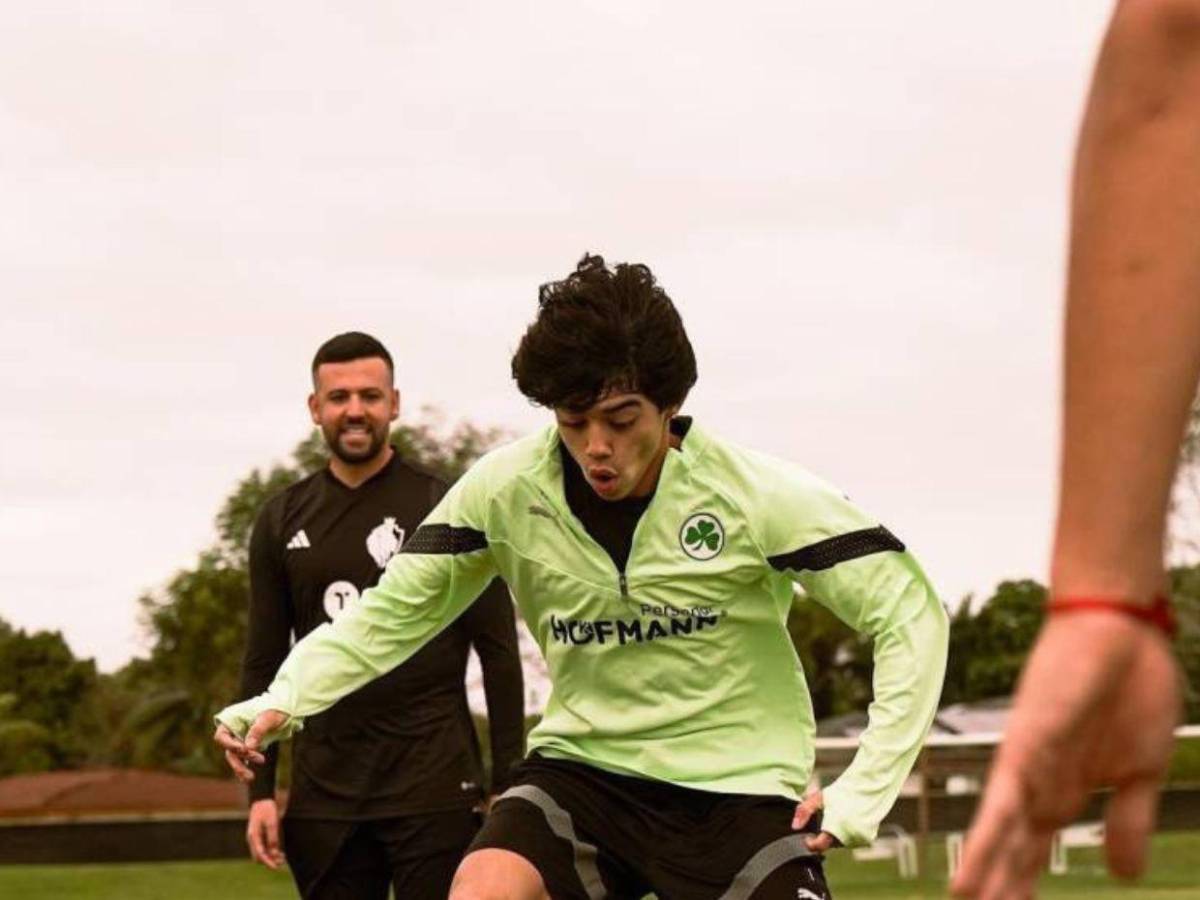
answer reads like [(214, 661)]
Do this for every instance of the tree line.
[(59, 712)]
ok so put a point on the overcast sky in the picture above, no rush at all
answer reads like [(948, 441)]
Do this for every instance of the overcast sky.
[(859, 208)]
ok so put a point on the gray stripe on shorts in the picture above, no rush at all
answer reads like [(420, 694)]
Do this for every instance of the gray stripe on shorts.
[(560, 823), (763, 863)]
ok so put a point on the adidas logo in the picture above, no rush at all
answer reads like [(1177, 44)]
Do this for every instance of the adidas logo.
[(299, 541)]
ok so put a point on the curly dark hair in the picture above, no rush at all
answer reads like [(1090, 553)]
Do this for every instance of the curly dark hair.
[(602, 329)]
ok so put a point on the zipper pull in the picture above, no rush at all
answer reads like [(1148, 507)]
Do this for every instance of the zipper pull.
[(624, 585)]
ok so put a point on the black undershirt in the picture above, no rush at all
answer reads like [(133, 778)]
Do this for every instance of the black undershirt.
[(610, 523)]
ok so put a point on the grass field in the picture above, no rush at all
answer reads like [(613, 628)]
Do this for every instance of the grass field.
[(1176, 875)]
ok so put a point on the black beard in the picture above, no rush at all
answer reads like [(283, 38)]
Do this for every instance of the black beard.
[(374, 448)]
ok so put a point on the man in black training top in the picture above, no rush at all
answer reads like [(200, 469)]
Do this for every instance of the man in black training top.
[(386, 784)]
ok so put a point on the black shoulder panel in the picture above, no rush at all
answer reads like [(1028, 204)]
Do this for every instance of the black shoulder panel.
[(432, 539), (828, 553)]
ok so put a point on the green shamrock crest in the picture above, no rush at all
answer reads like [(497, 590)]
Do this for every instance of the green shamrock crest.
[(704, 532), (702, 536)]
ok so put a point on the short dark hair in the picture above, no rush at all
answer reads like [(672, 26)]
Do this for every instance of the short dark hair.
[(602, 329), (349, 346)]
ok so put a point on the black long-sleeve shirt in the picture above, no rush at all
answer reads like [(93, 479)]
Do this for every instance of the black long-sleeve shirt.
[(404, 743)]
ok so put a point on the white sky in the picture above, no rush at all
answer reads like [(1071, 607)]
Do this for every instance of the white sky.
[(859, 208)]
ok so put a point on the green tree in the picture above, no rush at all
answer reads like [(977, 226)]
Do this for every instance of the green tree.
[(46, 687), (989, 647), (199, 624), (445, 453), (1185, 590), (236, 517), (1189, 452), (837, 660), (115, 696), (25, 746), (1182, 544)]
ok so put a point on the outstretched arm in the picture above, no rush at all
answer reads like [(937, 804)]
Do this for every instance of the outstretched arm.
[(438, 573), (1099, 697)]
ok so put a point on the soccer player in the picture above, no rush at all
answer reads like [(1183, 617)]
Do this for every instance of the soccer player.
[(655, 564), (386, 782), (1100, 695)]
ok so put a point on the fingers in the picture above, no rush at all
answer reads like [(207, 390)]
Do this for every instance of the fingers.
[(254, 737), (805, 810), (262, 834), (800, 817), (1131, 813), (254, 839), (231, 743), (994, 824), (819, 843), (246, 754), (264, 843), (273, 848), (237, 754), (263, 839), (240, 769), (1010, 874), (1030, 857), (226, 739), (265, 724), (1094, 708), (1128, 823)]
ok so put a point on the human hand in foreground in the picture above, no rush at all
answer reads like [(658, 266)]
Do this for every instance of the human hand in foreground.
[(1096, 707), (805, 810), (262, 834), (241, 753)]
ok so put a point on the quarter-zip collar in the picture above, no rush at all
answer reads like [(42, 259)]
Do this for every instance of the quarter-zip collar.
[(548, 476), (547, 472)]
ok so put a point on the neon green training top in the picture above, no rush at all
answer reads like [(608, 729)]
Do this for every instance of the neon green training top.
[(681, 668)]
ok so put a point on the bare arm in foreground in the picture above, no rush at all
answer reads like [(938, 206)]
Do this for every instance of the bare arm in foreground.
[(1100, 695)]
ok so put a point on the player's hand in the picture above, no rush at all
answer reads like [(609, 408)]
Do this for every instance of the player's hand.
[(1096, 707), (805, 810), (262, 834), (241, 753)]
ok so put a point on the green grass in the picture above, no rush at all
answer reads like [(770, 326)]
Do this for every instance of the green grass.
[(1185, 763), (147, 881), (1175, 875)]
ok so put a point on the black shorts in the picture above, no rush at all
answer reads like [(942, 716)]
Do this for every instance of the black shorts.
[(415, 855), (593, 834)]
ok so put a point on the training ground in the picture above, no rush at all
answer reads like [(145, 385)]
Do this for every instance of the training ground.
[(1175, 874)]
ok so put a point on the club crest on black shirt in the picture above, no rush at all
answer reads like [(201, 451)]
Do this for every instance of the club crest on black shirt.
[(384, 541)]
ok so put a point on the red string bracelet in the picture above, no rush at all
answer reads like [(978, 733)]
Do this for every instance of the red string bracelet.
[(1159, 613)]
